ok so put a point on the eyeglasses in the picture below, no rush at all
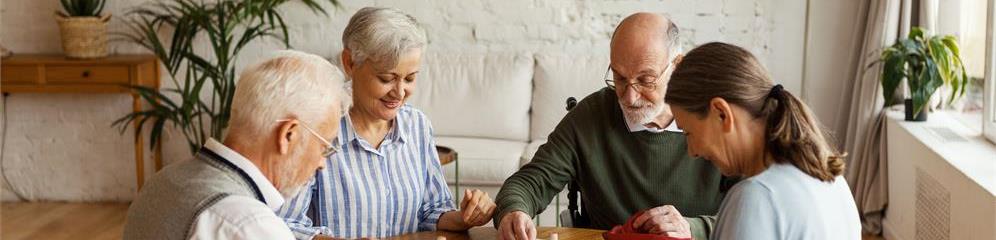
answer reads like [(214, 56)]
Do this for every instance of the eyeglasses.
[(639, 86), (331, 149)]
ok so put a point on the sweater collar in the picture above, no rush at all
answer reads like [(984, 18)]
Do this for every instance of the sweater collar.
[(271, 197)]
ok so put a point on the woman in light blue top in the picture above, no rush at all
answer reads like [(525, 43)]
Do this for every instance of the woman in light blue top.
[(386, 179), (734, 116)]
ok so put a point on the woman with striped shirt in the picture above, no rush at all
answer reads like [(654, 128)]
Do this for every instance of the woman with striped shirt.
[(386, 179)]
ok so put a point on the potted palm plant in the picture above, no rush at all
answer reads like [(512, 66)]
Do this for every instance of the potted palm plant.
[(169, 28), (83, 28), (927, 64)]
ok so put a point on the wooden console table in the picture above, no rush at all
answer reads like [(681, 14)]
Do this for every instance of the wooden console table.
[(57, 74)]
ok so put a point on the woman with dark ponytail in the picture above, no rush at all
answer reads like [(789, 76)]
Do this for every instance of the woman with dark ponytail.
[(735, 117)]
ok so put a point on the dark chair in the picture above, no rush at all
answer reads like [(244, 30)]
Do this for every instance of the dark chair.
[(574, 216)]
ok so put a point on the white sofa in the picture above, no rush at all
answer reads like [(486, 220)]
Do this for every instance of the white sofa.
[(496, 109)]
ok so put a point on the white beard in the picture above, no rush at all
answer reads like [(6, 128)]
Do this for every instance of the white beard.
[(643, 115), (288, 171)]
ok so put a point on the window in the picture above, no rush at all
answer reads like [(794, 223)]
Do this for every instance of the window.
[(971, 21)]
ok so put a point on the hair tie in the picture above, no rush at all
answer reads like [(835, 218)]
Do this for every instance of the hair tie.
[(777, 89)]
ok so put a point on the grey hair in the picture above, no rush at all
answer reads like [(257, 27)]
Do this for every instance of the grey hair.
[(290, 84), (672, 40), (381, 35)]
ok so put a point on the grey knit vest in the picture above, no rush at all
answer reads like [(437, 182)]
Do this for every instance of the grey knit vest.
[(172, 200)]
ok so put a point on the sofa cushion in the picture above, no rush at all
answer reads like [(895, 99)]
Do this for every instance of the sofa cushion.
[(482, 161), (558, 76), (483, 95), (531, 149)]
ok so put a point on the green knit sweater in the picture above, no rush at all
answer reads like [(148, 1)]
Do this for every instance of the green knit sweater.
[(619, 172)]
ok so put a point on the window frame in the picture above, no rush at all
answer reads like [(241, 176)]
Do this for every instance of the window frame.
[(989, 91)]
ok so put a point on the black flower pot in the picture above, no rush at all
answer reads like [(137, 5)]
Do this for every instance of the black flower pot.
[(909, 112)]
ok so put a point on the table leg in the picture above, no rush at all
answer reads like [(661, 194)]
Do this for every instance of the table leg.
[(456, 181), (139, 164), (557, 211)]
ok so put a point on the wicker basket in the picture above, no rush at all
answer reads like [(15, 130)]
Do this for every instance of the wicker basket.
[(83, 37)]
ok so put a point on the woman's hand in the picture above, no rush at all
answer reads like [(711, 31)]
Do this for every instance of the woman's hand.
[(476, 208)]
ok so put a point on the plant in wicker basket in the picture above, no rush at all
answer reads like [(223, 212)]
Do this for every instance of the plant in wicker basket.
[(83, 28)]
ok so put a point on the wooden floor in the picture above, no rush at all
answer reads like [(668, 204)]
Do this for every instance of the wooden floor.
[(62, 220), (74, 221)]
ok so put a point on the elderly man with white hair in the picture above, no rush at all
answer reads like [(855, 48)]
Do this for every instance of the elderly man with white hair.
[(284, 120), (387, 180), (621, 147)]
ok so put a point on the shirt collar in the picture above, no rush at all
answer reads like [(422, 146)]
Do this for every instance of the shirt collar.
[(672, 127), (396, 134), (272, 198)]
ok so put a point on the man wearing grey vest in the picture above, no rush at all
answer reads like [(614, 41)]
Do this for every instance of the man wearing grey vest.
[(284, 119)]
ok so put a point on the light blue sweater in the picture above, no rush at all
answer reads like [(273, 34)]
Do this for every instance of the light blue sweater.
[(784, 203)]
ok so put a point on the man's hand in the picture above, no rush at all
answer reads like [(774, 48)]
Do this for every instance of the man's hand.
[(663, 220), (516, 226), (476, 208)]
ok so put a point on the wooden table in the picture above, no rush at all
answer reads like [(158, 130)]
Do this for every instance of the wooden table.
[(489, 233), (28, 73)]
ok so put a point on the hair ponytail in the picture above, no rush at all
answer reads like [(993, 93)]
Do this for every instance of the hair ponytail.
[(792, 135)]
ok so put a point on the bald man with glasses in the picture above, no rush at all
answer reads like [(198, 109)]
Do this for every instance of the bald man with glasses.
[(620, 146)]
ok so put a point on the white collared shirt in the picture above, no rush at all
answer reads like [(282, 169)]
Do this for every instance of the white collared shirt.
[(241, 217), (672, 127)]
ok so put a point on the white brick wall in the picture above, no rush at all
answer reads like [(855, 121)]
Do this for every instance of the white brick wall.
[(61, 147)]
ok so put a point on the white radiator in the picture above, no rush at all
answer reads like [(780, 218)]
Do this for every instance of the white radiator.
[(941, 181)]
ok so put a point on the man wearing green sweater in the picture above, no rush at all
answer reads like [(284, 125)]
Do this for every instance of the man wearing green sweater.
[(620, 146)]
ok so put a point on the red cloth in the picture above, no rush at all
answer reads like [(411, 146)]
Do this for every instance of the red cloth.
[(630, 232)]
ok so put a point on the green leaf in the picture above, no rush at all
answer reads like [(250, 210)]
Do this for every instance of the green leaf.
[(939, 54), (893, 72), (931, 80), (66, 7), (952, 44), (156, 133), (916, 33)]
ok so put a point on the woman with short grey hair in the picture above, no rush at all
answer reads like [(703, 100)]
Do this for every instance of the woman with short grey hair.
[(387, 179)]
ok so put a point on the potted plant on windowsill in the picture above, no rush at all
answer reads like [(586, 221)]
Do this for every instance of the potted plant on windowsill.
[(927, 64), (83, 28)]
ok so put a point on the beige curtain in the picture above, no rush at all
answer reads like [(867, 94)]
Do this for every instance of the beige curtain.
[(864, 137)]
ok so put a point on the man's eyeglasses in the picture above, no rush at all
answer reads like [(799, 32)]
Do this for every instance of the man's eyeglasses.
[(331, 149), (648, 84)]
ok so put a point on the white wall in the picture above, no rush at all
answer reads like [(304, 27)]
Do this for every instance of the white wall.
[(60, 147)]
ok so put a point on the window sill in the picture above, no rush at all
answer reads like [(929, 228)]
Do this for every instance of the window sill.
[(961, 146)]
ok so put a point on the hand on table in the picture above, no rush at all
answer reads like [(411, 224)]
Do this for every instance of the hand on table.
[(476, 208), (516, 225), (663, 220)]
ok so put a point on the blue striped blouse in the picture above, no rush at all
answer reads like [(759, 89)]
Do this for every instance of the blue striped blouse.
[(367, 192)]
